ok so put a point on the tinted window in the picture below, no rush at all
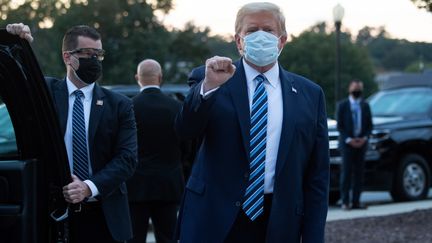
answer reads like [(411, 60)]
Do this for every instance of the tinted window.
[(403, 102), (7, 134)]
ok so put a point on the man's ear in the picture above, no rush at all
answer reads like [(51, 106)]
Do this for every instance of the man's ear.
[(238, 41), (66, 57), (283, 40)]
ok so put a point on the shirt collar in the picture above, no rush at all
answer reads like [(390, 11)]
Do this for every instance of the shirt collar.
[(87, 90), (272, 75), (354, 101), (148, 87)]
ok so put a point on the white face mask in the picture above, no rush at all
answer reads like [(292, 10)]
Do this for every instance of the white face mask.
[(261, 48)]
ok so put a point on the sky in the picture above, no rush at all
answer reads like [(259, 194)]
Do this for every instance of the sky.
[(401, 18)]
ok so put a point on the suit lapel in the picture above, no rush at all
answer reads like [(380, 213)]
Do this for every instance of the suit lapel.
[(349, 118), (290, 103), (61, 97), (96, 110), (238, 89)]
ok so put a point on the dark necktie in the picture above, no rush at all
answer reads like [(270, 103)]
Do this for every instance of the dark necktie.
[(79, 141), (254, 196), (356, 118)]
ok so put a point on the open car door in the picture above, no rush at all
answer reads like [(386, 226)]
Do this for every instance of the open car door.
[(33, 159)]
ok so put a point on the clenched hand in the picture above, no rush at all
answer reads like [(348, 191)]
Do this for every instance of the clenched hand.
[(76, 191), (218, 70)]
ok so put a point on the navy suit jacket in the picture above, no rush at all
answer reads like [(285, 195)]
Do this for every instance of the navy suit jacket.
[(113, 150), (215, 189), (345, 123)]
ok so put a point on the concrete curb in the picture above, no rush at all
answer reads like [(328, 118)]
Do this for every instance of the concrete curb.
[(378, 210)]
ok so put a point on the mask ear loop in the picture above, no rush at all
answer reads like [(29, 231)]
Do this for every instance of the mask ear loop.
[(72, 55), (280, 51)]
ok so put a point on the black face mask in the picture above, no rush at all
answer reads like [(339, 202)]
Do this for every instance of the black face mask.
[(90, 69), (356, 93)]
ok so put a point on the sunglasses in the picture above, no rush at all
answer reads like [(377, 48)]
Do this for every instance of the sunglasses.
[(90, 52)]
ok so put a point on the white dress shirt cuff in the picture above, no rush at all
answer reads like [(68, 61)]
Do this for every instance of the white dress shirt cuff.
[(206, 94), (92, 187), (348, 140)]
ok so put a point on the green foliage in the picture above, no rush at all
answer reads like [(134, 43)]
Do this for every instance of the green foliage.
[(222, 47), (392, 54), (130, 33), (423, 4), (187, 49), (313, 55), (418, 67)]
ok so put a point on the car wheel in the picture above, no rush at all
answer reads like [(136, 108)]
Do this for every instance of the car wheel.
[(411, 180), (334, 197)]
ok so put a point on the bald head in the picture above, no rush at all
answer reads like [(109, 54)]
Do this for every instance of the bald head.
[(149, 72)]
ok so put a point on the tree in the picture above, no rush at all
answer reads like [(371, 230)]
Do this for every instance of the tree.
[(187, 49), (423, 4), (129, 29), (312, 54), (392, 54)]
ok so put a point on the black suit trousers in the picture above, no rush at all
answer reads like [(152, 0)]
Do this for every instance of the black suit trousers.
[(352, 171), (89, 225), (163, 215)]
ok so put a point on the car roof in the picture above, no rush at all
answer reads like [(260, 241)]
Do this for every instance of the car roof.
[(405, 80), (131, 90)]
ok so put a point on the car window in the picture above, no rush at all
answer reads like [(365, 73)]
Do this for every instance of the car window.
[(404, 102), (8, 144)]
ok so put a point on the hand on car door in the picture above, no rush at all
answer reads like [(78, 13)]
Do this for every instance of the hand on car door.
[(20, 29)]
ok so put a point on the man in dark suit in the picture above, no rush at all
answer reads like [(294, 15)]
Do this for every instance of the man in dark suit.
[(262, 171), (354, 123), (157, 185), (100, 137)]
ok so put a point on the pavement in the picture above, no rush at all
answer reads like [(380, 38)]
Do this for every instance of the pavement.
[(379, 204), (378, 210)]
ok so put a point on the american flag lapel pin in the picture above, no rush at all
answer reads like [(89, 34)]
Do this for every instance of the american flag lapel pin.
[(99, 102)]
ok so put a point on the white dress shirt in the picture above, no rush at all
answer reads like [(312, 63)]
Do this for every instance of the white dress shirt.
[(274, 117), (355, 104), (87, 100), (148, 87)]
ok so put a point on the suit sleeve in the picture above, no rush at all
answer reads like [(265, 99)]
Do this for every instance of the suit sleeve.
[(341, 126), (193, 117), (316, 182), (123, 163)]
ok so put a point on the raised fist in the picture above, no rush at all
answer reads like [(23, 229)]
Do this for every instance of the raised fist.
[(218, 71)]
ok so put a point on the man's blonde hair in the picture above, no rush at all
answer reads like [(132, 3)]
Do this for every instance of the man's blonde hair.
[(257, 7)]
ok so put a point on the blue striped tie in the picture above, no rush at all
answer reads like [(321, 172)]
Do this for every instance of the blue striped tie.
[(79, 140), (356, 118), (254, 196)]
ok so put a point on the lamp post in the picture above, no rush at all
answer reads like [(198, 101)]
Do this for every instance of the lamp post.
[(338, 14)]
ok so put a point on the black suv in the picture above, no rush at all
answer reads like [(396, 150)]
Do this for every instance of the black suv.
[(33, 159), (399, 157), (176, 91)]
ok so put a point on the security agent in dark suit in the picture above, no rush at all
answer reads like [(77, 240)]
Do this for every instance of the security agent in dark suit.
[(354, 123), (157, 185), (100, 137)]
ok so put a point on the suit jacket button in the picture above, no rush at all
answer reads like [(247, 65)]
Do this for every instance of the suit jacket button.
[(238, 203), (246, 175)]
